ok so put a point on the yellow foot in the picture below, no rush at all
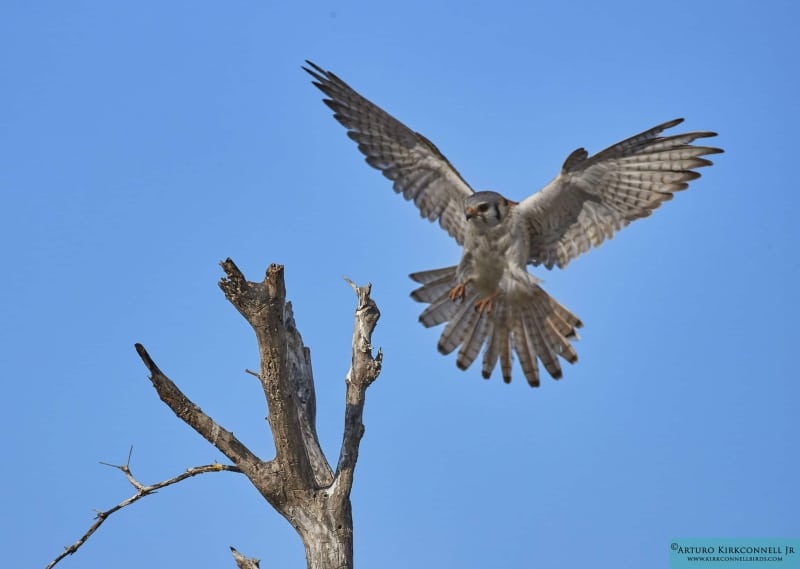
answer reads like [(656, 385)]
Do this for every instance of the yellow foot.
[(457, 292)]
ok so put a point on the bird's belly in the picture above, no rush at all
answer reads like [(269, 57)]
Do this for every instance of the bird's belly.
[(497, 266), (488, 273), (490, 263)]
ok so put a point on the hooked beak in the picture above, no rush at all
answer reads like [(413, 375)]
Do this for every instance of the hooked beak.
[(471, 212)]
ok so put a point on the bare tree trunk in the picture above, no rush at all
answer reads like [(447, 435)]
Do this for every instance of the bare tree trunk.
[(299, 483)]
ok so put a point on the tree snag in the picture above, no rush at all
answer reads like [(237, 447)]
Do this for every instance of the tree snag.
[(298, 482)]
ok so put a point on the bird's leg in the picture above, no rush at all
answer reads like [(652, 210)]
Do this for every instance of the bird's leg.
[(485, 304), (457, 292)]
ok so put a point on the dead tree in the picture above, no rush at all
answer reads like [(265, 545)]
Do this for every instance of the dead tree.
[(298, 482)]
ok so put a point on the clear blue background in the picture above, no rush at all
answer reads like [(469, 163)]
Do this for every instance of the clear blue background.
[(142, 143)]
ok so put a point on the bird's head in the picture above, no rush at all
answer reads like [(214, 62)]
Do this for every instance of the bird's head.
[(485, 210)]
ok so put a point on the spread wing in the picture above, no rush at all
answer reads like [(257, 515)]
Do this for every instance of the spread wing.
[(416, 167), (594, 196)]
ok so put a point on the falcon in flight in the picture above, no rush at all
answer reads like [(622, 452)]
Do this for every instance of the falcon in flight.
[(490, 299)]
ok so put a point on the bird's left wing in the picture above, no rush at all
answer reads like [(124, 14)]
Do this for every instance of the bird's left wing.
[(594, 196), (419, 171)]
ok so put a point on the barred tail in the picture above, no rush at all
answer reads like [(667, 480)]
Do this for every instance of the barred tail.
[(535, 326)]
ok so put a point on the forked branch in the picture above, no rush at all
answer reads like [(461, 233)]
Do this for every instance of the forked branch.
[(299, 482)]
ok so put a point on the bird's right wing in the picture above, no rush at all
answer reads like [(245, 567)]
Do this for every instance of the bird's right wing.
[(419, 171)]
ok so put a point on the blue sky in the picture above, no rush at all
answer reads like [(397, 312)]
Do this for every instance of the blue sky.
[(143, 143)]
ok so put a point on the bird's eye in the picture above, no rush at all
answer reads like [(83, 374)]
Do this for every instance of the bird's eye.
[(483, 208)]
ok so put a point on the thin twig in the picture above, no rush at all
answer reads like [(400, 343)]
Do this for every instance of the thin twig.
[(254, 373), (141, 492)]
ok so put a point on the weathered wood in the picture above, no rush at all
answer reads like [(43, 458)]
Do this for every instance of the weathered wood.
[(299, 482), (243, 562)]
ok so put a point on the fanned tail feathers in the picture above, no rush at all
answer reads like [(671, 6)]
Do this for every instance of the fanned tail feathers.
[(537, 328)]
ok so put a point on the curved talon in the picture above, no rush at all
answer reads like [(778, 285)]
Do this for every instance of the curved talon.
[(457, 292), (485, 304)]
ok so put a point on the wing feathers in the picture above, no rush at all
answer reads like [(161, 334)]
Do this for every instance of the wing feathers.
[(595, 196), (416, 167)]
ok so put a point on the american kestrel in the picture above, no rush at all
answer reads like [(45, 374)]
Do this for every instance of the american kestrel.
[(490, 299)]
